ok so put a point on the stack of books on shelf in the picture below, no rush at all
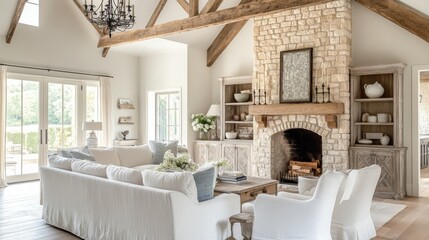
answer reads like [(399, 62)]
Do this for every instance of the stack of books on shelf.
[(235, 177)]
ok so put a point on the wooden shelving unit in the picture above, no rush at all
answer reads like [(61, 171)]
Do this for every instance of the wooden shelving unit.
[(391, 157)]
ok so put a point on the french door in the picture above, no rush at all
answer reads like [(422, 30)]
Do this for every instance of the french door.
[(42, 115)]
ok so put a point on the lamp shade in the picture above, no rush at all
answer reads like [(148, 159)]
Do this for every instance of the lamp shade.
[(92, 126), (214, 110)]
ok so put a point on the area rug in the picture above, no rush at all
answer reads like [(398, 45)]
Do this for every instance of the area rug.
[(382, 212)]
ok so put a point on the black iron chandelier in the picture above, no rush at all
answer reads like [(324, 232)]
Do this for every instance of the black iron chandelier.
[(115, 15)]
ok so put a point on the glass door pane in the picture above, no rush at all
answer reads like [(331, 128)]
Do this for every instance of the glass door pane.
[(22, 129), (62, 116)]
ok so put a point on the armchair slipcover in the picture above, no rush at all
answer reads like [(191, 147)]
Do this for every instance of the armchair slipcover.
[(351, 219), (305, 219)]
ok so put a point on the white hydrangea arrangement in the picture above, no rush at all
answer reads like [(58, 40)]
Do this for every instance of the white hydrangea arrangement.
[(202, 122), (179, 163)]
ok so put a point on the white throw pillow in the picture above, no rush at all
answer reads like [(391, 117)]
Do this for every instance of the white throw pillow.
[(176, 181), (105, 156), (58, 161), (134, 156), (89, 168), (124, 174)]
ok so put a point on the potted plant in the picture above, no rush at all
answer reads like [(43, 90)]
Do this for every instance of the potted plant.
[(203, 124)]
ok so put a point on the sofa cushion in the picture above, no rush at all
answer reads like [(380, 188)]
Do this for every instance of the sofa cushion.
[(159, 149), (204, 180), (65, 153), (176, 181), (105, 156), (124, 174), (89, 168), (146, 167), (134, 156), (61, 162)]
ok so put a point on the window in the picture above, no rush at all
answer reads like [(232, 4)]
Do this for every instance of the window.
[(30, 14), (167, 116), (92, 102)]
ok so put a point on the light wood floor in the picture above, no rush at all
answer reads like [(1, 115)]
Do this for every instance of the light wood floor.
[(20, 217)]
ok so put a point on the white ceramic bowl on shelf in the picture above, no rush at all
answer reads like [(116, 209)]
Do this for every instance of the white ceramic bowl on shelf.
[(231, 135), (242, 97)]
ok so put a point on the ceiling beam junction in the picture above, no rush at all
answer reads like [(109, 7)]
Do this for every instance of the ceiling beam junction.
[(220, 17)]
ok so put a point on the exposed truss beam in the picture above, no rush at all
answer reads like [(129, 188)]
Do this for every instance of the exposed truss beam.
[(225, 16), (184, 4), (224, 38), (156, 13), (100, 31), (211, 6), (15, 19), (193, 8), (401, 14), (222, 41)]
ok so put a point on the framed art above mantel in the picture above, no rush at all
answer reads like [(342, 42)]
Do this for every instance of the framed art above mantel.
[(296, 68)]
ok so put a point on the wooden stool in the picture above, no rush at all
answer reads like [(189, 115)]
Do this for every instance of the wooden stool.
[(246, 222)]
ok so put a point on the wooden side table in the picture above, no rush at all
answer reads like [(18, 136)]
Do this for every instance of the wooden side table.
[(248, 190)]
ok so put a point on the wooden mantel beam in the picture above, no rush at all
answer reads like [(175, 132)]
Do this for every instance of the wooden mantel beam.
[(401, 14), (15, 19), (221, 17), (99, 30), (224, 38)]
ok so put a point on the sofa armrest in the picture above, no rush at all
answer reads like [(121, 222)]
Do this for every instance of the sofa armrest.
[(204, 220)]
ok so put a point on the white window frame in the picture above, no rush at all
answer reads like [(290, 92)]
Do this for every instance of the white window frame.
[(153, 111)]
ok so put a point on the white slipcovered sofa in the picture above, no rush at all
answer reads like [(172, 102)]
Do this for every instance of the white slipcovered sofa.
[(94, 207)]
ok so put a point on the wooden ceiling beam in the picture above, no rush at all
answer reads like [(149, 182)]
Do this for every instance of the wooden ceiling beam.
[(211, 6), (156, 13), (403, 15), (224, 38), (100, 31), (184, 4), (15, 20), (221, 17), (193, 8)]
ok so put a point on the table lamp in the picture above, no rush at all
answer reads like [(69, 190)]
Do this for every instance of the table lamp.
[(214, 110), (92, 140)]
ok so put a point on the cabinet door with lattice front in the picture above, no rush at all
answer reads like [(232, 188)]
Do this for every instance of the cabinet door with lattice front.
[(386, 182), (361, 158), (244, 157), (213, 152), (200, 152), (229, 153)]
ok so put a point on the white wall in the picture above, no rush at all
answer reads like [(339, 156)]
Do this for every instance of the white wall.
[(236, 60), (65, 40), (376, 40), (158, 72), (199, 88)]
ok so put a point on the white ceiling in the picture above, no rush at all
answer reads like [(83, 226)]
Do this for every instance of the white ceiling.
[(172, 11)]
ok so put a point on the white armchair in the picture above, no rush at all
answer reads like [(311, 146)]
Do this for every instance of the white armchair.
[(305, 219), (351, 219)]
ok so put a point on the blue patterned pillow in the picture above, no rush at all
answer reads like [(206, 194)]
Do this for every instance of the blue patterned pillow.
[(204, 180), (159, 148), (66, 154), (81, 155)]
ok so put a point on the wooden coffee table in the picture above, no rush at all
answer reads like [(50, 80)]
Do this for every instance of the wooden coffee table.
[(248, 190)]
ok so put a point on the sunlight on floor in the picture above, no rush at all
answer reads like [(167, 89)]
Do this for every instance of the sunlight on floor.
[(424, 183)]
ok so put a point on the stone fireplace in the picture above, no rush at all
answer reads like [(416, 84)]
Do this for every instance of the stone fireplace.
[(327, 29)]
